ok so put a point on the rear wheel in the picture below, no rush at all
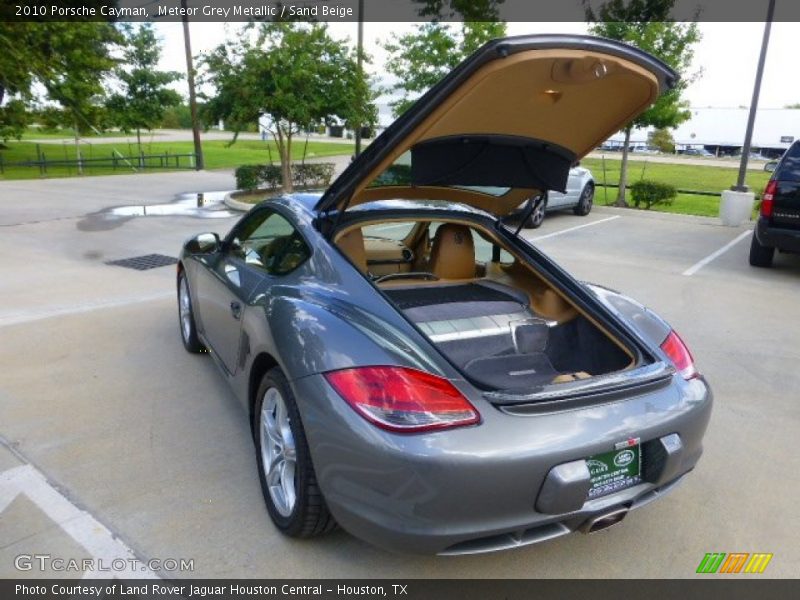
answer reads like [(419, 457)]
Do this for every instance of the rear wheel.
[(288, 482), (584, 206), (760, 256), (536, 218), (186, 317)]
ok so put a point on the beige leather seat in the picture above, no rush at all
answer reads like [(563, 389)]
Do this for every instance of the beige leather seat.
[(453, 252), (352, 245)]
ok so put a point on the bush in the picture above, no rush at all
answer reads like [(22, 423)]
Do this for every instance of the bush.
[(251, 177), (652, 192), (248, 177), (313, 174)]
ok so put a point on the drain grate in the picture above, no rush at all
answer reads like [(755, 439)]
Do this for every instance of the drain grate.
[(143, 263)]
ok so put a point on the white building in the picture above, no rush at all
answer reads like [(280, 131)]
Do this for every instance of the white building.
[(724, 128)]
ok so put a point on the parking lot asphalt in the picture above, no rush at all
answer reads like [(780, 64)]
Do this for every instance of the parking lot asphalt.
[(114, 442)]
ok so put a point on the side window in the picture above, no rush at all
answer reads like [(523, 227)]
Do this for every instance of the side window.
[(789, 167), (268, 241), (483, 250)]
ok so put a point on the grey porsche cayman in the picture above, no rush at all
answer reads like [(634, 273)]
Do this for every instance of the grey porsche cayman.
[(418, 373)]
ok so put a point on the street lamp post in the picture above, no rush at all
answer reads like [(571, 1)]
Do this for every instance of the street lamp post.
[(359, 51), (736, 204), (751, 119), (198, 148)]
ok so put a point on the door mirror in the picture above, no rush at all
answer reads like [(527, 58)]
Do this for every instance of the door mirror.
[(770, 166), (204, 243)]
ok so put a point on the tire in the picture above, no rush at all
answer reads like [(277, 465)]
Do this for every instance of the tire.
[(760, 256), (186, 322), (584, 206), (294, 500), (536, 219)]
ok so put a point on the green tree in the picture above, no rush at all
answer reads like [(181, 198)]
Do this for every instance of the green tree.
[(294, 74), (647, 24), (144, 95), (662, 140), (421, 58), (65, 59)]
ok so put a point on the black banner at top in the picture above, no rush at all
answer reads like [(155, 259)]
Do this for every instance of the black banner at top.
[(373, 10)]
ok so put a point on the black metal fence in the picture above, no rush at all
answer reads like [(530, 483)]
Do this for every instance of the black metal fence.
[(114, 162)]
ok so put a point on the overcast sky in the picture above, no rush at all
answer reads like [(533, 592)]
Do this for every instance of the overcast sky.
[(727, 55)]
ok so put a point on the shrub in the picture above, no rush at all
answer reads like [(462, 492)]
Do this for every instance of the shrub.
[(248, 177), (251, 177), (652, 192), (313, 174)]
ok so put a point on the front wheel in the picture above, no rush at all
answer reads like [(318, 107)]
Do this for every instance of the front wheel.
[(584, 206), (760, 256), (288, 482), (188, 328)]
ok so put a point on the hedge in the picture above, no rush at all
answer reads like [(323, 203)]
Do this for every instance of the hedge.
[(652, 192), (304, 175)]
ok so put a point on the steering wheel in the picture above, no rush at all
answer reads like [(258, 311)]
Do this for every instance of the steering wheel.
[(409, 275)]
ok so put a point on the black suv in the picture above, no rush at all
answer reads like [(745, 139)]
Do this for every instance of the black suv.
[(778, 224)]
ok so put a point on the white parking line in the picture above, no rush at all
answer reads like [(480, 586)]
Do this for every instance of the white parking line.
[(99, 542), (702, 263), (35, 314), (568, 229)]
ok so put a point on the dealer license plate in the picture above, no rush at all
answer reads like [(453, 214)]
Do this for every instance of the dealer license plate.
[(613, 471)]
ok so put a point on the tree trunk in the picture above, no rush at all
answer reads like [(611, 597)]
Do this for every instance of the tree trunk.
[(623, 171), (284, 150), (139, 140), (78, 148)]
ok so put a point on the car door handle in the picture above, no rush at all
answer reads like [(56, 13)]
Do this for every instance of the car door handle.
[(236, 310)]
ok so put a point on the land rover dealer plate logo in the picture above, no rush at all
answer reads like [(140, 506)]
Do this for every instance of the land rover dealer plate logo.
[(624, 458), (616, 470)]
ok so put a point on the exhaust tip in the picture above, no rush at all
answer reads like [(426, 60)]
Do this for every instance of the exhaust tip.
[(604, 520)]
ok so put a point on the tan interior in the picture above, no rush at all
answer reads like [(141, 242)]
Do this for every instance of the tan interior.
[(572, 98), (452, 259), (453, 252), (351, 244)]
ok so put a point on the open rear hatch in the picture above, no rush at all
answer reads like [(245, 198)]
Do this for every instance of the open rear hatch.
[(518, 114)]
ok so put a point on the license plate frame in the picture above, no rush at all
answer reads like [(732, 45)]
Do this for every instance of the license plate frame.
[(614, 470)]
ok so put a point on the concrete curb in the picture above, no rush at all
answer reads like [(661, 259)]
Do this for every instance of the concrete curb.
[(234, 204), (662, 216)]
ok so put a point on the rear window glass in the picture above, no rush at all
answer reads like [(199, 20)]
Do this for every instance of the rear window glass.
[(399, 173), (789, 167), (390, 231)]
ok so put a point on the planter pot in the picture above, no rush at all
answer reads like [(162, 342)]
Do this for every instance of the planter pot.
[(735, 208)]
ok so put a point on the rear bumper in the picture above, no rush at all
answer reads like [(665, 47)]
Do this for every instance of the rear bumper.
[(777, 237), (485, 488)]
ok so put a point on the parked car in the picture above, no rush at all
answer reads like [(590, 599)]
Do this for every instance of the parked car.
[(778, 224), (697, 152), (645, 150), (579, 197), (417, 372)]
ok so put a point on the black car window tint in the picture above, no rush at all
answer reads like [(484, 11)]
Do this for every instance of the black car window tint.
[(271, 243), (789, 167)]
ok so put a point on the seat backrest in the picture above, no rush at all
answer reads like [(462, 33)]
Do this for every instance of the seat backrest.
[(352, 245), (453, 252)]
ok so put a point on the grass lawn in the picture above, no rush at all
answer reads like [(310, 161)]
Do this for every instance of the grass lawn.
[(33, 133), (684, 177), (217, 155)]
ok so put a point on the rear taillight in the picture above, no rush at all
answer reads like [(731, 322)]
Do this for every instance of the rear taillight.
[(680, 356), (767, 198), (403, 400)]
